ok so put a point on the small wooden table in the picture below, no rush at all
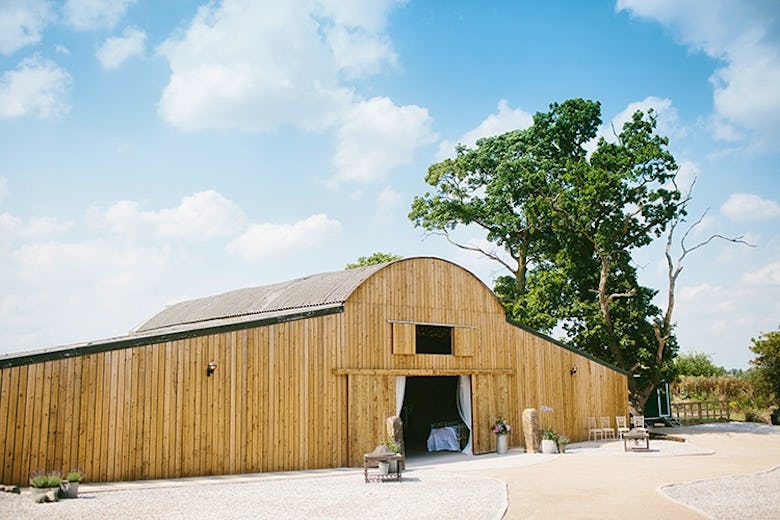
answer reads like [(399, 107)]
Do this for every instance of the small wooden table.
[(382, 457), (636, 436)]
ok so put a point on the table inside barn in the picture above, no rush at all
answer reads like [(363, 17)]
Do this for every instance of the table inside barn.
[(377, 476)]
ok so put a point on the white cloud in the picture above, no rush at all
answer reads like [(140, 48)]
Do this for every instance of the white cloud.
[(744, 37), (116, 50), (688, 172), (21, 23), (264, 65), (767, 275), (357, 53), (263, 240), (35, 228), (93, 14), (376, 136), (666, 117), (61, 49), (36, 87), (388, 200), (96, 263), (704, 291), (369, 15), (202, 216), (505, 120), (746, 206)]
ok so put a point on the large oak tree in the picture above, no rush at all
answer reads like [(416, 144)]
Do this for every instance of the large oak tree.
[(568, 222)]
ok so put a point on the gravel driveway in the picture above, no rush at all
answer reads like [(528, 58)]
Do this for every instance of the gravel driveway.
[(423, 495)]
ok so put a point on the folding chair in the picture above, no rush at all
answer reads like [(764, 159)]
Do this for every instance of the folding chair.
[(594, 430), (607, 430), (620, 420)]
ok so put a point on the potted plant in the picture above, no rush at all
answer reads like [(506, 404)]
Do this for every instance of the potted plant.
[(563, 441), (395, 448), (45, 487), (70, 486), (501, 429), (549, 437)]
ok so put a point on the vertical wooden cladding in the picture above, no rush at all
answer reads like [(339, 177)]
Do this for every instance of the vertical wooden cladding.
[(544, 377), (290, 395), (433, 291), (152, 412), (380, 317)]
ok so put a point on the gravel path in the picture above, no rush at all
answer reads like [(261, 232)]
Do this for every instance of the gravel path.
[(423, 495), (735, 497)]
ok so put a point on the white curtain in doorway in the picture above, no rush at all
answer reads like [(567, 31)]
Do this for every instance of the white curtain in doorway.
[(464, 408), (400, 389)]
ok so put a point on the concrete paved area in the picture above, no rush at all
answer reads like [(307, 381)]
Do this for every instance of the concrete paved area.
[(606, 483), (591, 480)]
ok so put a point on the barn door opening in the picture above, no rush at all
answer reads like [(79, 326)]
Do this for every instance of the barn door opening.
[(431, 406)]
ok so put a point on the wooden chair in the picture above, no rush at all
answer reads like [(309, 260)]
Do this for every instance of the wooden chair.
[(594, 430), (620, 420), (607, 429)]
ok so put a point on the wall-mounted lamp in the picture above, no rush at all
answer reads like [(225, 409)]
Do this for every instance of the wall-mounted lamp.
[(573, 369), (211, 368)]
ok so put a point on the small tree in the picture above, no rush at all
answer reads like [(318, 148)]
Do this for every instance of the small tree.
[(767, 362), (697, 364), (376, 258)]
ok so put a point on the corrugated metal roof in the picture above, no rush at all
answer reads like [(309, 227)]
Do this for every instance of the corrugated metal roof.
[(316, 292)]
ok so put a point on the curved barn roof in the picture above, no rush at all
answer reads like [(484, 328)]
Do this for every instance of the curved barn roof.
[(310, 293)]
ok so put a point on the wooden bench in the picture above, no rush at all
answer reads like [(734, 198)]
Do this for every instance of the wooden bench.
[(636, 435), (369, 458)]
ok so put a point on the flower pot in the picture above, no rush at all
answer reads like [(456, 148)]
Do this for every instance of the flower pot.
[(44, 494), (69, 489), (384, 467), (562, 448), (502, 443), (393, 466), (549, 446)]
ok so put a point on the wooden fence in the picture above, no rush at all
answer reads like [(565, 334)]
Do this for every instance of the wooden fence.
[(701, 411)]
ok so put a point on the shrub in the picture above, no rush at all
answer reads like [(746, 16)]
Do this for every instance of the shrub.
[(753, 416), (74, 475), (41, 479)]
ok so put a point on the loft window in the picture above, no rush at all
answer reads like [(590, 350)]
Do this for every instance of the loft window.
[(432, 339)]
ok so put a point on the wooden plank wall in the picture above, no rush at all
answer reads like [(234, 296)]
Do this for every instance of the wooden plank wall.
[(151, 412), (311, 393), (541, 369)]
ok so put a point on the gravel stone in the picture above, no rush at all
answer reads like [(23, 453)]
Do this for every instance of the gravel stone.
[(423, 495), (734, 497)]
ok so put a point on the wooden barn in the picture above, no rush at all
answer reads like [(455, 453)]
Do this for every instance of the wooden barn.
[(296, 375)]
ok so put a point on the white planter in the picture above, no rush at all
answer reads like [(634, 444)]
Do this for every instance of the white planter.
[(384, 467), (502, 443), (393, 468), (549, 446)]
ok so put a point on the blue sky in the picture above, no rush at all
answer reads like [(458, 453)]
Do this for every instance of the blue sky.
[(157, 151)]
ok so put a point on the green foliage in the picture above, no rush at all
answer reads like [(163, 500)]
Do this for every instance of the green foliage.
[(568, 223), (767, 363), (697, 364), (754, 416), (375, 258), (74, 475), (392, 446), (41, 479), (715, 388)]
